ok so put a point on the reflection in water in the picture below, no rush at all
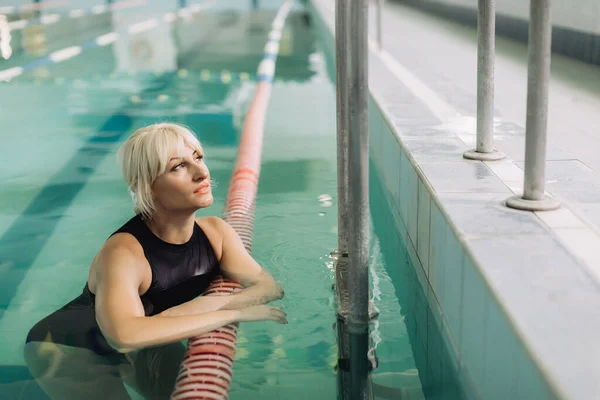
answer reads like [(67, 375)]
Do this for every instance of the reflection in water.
[(68, 372)]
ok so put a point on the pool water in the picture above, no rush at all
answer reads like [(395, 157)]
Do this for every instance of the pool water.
[(421, 349), (61, 193)]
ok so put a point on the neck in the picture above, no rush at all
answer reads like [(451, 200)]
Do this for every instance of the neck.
[(176, 228)]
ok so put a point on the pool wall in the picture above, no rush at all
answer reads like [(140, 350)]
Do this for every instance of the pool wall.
[(486, 352)]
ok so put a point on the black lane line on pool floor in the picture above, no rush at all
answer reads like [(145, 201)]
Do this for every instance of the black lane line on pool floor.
[(25, 238)]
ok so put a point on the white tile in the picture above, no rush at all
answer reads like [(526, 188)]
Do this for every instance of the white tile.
[(501, 347), (530, 383), (475, 297), (560, 218), (405, 171), (583, 243), (507, 171), (437, 250), (468, 140), (551, 300), (423, 225), (452, 283), (394, 172), (515, 186), (467, 383), (421, 276), (593, 265), (413, 204)]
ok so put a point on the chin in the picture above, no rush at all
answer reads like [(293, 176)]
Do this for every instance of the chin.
[(205, 201)]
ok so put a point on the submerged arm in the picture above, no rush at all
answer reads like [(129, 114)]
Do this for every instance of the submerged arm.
[(258, 286)]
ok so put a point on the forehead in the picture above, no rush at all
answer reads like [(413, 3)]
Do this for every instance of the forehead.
[(183, 149)]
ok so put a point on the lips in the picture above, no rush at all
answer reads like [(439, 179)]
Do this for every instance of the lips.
[(202, 188)]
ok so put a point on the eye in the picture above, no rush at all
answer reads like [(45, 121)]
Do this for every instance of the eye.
[(177, 167), (199, 157)]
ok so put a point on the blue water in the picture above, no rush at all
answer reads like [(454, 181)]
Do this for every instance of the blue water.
[(61, 193)]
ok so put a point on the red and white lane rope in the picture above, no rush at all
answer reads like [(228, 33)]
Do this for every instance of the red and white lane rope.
[(207, 369)]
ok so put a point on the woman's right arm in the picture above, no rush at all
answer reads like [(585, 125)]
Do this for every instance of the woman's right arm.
[(120, 313)]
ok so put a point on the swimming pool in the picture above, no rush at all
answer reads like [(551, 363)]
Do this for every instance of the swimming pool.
[(62, 194)]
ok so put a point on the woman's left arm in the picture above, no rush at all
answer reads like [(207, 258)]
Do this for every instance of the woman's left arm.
[(258, 286)]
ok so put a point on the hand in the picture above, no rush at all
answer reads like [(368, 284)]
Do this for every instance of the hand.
[(262, 313)]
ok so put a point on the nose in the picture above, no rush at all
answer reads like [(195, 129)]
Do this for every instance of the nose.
[(200, 172)]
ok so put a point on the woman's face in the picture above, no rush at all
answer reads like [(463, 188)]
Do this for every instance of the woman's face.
[(185, 185)]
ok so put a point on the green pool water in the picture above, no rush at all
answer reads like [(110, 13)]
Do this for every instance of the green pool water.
[(61, 193)]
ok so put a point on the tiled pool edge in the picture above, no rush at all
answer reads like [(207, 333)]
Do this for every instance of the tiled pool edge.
[(470, 287)]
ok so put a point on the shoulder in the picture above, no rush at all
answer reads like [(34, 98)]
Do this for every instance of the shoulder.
[(119, 249), (222, 236), (215, 223), (212, 220), (122, 241), (216, 230), (120, 256)]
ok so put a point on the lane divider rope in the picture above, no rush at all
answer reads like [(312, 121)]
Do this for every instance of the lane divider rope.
[(207, 369)]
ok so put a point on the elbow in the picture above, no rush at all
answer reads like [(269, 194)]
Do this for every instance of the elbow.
[(117, 340), (278, 292), (120, 339), (271, 291), (122, 342)]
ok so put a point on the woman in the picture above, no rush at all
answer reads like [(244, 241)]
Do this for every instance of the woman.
[(142, 296)]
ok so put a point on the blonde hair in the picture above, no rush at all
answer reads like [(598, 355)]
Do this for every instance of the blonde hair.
[(145, 155)]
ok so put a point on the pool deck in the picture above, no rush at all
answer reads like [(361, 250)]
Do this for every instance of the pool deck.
[(541, 269)]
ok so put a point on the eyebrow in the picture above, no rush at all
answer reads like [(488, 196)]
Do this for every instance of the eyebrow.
[(179, 158)]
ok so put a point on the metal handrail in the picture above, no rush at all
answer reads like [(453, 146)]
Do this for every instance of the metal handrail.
[(538, 77), (486, 24), (351, 30), (379, 23)]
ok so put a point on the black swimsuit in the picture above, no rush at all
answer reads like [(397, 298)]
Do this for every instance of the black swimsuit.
[(180, 272)]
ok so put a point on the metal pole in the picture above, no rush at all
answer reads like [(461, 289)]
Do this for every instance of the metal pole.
[(358, 167), (379, 7), (358, 199), (342, 81), (486, 26), (341, 255), (538, 76)]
